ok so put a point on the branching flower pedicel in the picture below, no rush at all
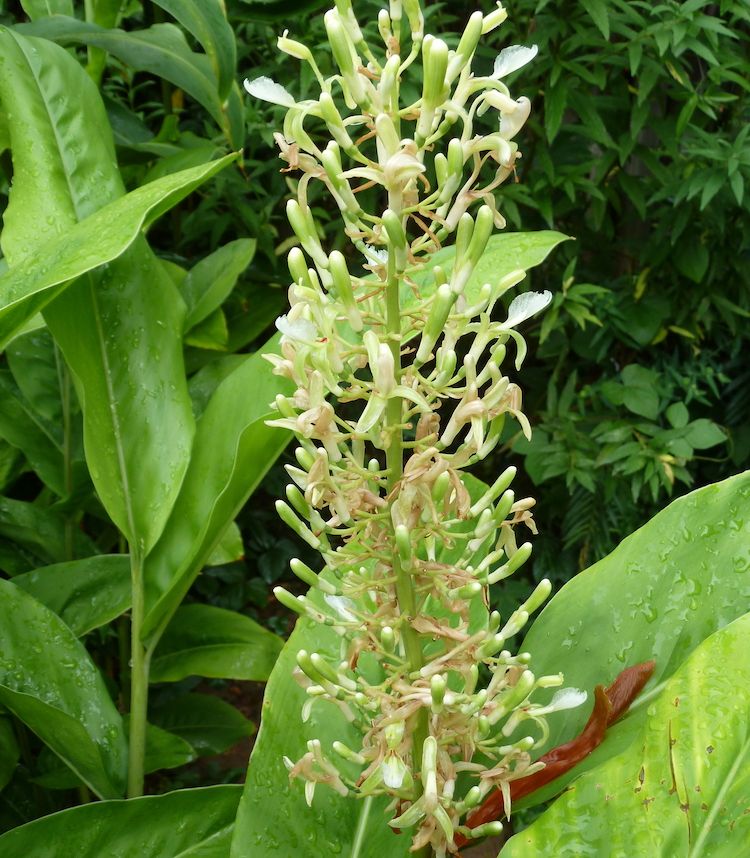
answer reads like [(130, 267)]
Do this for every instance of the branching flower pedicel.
[(399, 388)]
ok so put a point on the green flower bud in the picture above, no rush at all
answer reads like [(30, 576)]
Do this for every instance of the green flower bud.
[(403, 544), (540, 594), (438, 687), (394, 229), (494, 19), (442, 305), (286, 514), (386, 135), (466, 46), (294, 48), (494, 491), (483, 226)]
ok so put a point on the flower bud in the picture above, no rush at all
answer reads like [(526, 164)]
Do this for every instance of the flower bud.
[(347, 754), (442, 305), (294, 48), (466, 46), (539, 596), (483, 226), (403, 544), (494, 491), (286, 514), (394, 229), (386, 135), (298, 267), (388, 80), (394, 734), (438, 687), (494, 19)]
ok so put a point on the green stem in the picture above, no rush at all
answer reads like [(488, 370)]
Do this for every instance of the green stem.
[(63, 380), (140, 659), (394, 456)]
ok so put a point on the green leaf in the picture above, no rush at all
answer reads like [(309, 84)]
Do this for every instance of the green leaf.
[(9, 751), (39, 530), (505, 253), (555, 102), (42, 8), (691, 259), (232, 451), (663, 590), (597, 9), (85, 594), (209, 724), (230, 549), (137, 417), (32, 360), (683, 785), (210, 281), (678, 415), (161, 50), (703, 433), (32, 434), (273, 818), (189, 823), (49, 682), (206, 21), (202, 640)]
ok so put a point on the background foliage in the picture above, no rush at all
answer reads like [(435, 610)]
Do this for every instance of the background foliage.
[(638, 147)]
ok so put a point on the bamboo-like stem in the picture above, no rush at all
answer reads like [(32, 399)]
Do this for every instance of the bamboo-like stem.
[(140, 659)]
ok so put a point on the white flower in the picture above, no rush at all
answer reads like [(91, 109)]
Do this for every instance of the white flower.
[(525, 306), (297, 330), (376, 255), (268, 90), (511, 59), (341, 605), (511, 123), (393, 770), (567, 698)]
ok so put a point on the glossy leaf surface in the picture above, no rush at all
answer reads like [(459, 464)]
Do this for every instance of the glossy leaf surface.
[(683, 785), (232, 451), (664, 589), (202, 640), (190, 822), (48, 680), (209, 724), (85, 594)]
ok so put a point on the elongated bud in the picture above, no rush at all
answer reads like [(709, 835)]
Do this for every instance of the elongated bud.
[(493, 492), (286, 514), (463, 237), (494, 19), (388, 81), (384, 26), (294, 48), (515, 562), (308, 668), (483, 226), (435, 65), (440, 487), (539, 596), (302, 223), (403, 543), (346, 753), (433, 329), (488, 829), (438, 688), (298, 267), (289, 601), (306, 574), (413, 11), (388, 639), (429, 772), (394, 734), (304, 457), (466, 46), (387, 136), (394, 229)]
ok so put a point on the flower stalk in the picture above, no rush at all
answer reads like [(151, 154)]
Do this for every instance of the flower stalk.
[(396, 360)]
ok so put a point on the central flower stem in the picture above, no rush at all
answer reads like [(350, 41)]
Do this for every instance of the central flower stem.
[(405, 591)]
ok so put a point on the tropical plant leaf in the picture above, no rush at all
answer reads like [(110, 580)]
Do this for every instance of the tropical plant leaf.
[(209, 724), (202, 640), (137, 419), (206, 21), (683, 785), (662, 591), (189, 823), (209, 282), (85, 594), (49, 682), (232, 451)]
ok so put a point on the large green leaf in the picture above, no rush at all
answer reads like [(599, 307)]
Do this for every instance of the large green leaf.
[(120, 330), (232, 451), (42, 8), (664, 589), (273, 818), (45, 252), (48, 680), (202, 640), (192, 823), (682, 787), (84, 593), (161, 50), (206, 21), (209, 724)]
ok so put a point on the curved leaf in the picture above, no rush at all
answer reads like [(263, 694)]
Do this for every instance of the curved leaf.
[(49, 682), (202, 640), (137, 418), (662, 591), (209, 724), (188, 822), (683, 785), (273, 818), (232, 451), (206, 21), (86, 593)]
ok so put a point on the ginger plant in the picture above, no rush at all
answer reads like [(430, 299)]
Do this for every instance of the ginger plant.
[(397, 365)]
